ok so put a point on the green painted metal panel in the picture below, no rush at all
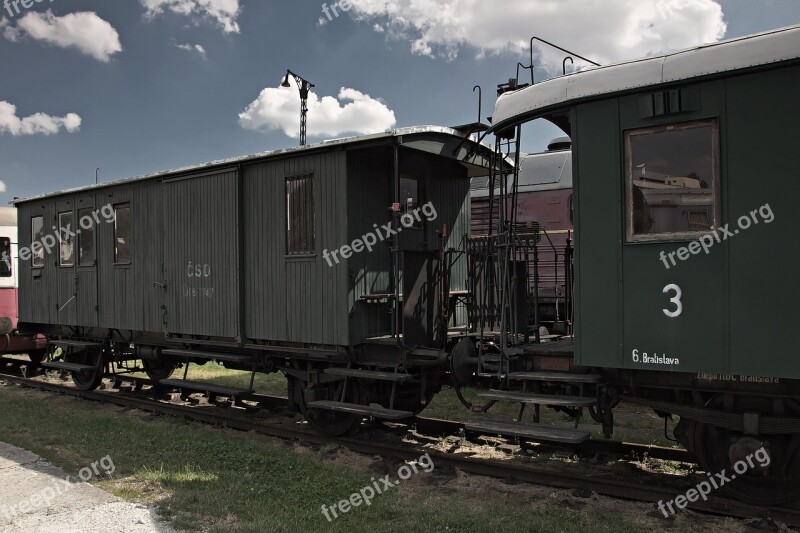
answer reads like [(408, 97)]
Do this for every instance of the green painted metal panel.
[(694, 289), (597, 234), (738, 310), (763, 168)]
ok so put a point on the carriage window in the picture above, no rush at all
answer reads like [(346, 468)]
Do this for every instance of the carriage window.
[(671, 174), (300, 231), (66, 256), (410, 198), (5, 257), (86, 250), (37, 250), (122, 234)]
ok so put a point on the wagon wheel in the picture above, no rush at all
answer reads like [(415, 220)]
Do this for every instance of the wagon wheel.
[(473, 407), (36, 357), (90, 379), (160, 369), (410, 400), (332, 423), (463, 368), (719, 449)]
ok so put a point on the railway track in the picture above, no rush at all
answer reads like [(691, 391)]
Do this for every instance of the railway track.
[(441, 427), (598, 483)]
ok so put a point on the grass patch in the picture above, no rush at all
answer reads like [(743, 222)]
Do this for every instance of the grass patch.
[(215, 480), (273, 384)]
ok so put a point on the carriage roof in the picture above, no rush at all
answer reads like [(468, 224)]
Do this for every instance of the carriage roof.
[(709, 60), (438, 140)]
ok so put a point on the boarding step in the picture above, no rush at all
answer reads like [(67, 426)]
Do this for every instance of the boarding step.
[(427, 357), (206, 387), (66, 343), (429, 353), (366, 410), (213, 356), (564, 377), (69, 367), (534, 432), (538, 399), (369, 374), (379, 364)]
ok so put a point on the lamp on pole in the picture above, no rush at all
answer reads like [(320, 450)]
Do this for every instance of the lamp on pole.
[(304, 86)]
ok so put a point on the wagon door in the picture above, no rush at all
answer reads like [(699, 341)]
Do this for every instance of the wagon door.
[(65, 261), (201, 255), (71, 244), (86, 228), (421, 299)]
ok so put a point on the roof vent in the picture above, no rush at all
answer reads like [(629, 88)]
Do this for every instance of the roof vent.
[(559, 143)]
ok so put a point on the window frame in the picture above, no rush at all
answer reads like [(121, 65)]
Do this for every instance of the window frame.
[(10, 264), (682, 236), (62, 238), (33, 234), (419, 202), (83, 233), (116, 207), (288, 252)]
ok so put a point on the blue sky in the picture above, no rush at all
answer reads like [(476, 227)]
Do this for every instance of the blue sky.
[(145, 104)]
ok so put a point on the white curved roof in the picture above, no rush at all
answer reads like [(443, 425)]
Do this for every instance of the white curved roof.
[(546, 171), (736, 54)]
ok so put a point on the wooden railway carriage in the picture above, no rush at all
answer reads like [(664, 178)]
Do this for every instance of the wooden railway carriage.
[(243, 262), (685, 177)]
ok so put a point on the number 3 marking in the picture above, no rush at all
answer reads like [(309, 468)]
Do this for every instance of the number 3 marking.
[(676, 300)]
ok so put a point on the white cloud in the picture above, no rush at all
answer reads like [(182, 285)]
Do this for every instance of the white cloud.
[(85, 31), (224, 12), (2, 186), (193, 48), (36, 124), (352, 112), (607, 31)]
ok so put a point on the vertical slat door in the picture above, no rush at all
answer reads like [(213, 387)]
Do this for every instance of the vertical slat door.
[(201, 255), (63, 258)]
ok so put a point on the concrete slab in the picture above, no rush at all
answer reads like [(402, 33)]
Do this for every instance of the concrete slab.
[(36, 496)]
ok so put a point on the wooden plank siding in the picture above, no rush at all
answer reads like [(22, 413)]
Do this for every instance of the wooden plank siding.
[(295, 299)]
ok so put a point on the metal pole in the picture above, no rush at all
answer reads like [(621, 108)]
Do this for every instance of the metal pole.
[(480, 102), (304, 86), (303, 113), (398, 310)]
